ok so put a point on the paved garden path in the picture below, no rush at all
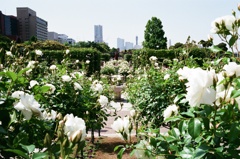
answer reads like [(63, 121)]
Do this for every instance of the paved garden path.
[(107, 131)]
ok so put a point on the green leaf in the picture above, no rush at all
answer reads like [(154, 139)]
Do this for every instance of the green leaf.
[(235, 93), (194, 127), (44, 89), (28, 148), (175, 132), (2, 130), (190, 114), (234, 130), (173, 118), (182, 126), (186, 153), (117, 147), (120, 153), (208, 109), (39, 155), (206, 123), (12, 75), (18, 152), (232, 40), (23, 71), (178, 97), (215, 49), (201, 151)]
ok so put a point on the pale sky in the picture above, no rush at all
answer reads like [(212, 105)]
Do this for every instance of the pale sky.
[(127, 19)]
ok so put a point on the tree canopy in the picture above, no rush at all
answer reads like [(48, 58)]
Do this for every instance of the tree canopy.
[(154, 35)]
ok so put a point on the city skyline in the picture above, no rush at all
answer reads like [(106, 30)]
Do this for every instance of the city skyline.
[(127, 19)]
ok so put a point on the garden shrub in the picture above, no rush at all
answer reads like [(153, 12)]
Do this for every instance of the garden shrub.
[(82, 55), (128, 57), (105, 57)]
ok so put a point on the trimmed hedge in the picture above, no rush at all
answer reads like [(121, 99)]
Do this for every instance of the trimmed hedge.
[(105, 57), (81, 54), (141, 57)]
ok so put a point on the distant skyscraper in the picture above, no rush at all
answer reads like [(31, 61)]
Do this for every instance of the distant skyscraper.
[(120, 44), (169, 43), (98, 34), (136, 40), (31, 25)]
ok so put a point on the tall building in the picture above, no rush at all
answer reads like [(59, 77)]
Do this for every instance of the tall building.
[(136, 47), (120, 44), (128, 46), (31, 25), (98, 34), (9, 26)]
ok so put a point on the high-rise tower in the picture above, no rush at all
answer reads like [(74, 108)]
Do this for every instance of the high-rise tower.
[(98, 35)]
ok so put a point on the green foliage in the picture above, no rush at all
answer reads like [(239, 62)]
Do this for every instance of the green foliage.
[(127, 57), (156, 93), (105, 57), (108, 71), (154, 35), (102, 47), (5, 43), (42, 45), (141, 57)]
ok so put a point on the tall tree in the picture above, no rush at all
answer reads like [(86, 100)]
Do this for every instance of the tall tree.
[(154, 35)]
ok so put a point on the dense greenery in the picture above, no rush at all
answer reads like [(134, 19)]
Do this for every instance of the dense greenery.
[(154, 35)]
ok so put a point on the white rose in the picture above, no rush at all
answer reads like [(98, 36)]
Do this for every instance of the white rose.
[(167, 76), (9, 53), (66, 78), (232, 69), (67, 51), (17, 94), (198, 87), (28, 106), (227, 20), (103, 100), (31, 64), (53, 67), (77, 86), (33, 83), (52, 88), (169, 111), (74, 126), (38, 52)]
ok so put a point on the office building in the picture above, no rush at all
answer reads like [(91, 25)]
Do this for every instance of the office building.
[(62, 38), (98, 34), (31, 25), (52, 36), (9, 26), (120, 44), (128, 46)]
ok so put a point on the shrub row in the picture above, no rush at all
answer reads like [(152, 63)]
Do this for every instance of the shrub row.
[(141, 57), (81, 54)]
